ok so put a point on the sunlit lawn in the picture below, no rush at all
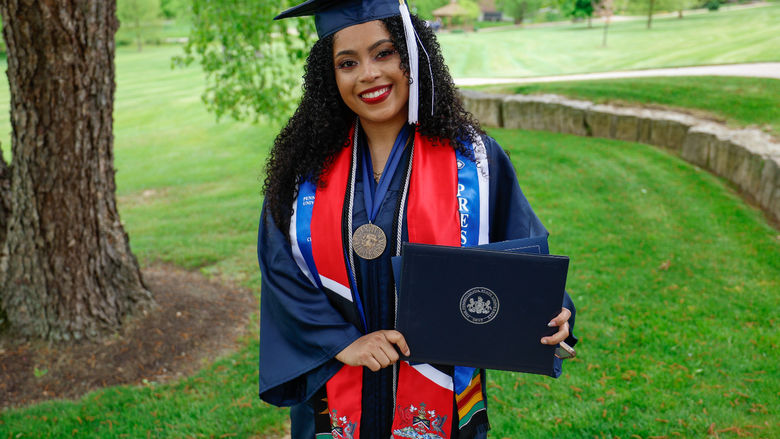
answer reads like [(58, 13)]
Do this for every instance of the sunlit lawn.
[(675, 279), (714, 38)]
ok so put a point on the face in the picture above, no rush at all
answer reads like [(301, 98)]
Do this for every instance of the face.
[(368, 73)]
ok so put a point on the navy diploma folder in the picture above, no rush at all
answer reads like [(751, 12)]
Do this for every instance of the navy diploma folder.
[(479, 307)]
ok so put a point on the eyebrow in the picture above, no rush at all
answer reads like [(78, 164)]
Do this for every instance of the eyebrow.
[(370, 48)]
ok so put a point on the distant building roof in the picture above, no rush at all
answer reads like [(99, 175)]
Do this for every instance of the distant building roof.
[(487, 5), (451, 10)]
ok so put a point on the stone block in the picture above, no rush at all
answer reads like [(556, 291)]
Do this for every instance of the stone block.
[(751, 150), (697, 144), (486, 108), (626, 127), (769, 193), (599, 120), (546, 113), (668, 130), (770, 177), (519, 113)]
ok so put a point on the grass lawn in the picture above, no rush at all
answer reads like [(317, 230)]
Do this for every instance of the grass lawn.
[(738, 101), (675, 280), (715, 38)]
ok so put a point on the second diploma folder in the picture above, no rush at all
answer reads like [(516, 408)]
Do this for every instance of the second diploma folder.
[(480, 307)]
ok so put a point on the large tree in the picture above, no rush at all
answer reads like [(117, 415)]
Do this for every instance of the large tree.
[(66, 270)]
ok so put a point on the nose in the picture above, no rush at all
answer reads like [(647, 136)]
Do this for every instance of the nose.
[(368, 72)]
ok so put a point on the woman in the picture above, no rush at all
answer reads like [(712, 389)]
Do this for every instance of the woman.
[(352, 175)]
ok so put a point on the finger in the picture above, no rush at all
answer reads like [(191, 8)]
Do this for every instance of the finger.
[(558, 337), (398, 339), (562, 317), (378, 351), (381, 357), (389, 350), (372, 364)]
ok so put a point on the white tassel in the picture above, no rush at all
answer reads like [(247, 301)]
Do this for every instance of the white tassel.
[(414, 62)]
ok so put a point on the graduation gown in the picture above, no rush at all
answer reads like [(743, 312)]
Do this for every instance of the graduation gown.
[(301, 332)]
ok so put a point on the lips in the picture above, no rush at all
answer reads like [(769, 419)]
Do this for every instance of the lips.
[(376, 95)]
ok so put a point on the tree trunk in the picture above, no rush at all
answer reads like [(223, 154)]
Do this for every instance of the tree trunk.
[(5, 202), (650, 14), (138, 33), (606, 28), (66, 270)]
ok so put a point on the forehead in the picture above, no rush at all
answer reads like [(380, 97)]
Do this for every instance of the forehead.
[(359, 35)]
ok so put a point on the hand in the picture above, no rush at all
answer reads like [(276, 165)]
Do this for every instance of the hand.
[(376, 350), (562, 322)]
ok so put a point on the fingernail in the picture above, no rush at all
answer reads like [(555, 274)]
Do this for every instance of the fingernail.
[(544, 341), (552, 323)]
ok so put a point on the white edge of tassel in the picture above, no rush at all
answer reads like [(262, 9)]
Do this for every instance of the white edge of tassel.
[(411, 48)]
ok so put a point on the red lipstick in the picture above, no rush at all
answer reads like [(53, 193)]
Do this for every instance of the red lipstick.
[(377, 94)]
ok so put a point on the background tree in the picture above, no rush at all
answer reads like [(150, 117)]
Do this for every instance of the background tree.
[(66, 270), (520, 10), (472, 13), (605, 9), (253, 64), (136, 14), (682, 5), (579, 9), (175, 9)]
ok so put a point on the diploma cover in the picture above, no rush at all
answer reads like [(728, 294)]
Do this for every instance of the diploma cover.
[(480, 308)]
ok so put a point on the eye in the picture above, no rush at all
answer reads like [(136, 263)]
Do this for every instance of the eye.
[(346, 64), (384, 53)]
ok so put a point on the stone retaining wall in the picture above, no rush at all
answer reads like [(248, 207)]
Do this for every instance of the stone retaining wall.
[(746, 157)]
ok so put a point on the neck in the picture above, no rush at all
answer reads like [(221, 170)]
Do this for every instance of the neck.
[(380, 137)]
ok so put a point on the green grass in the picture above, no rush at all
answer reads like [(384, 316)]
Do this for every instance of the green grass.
[(676, 285), (738, 101), (675, 279), (714, 38)]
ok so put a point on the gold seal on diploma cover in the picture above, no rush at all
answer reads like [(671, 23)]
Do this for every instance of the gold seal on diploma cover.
[(369, 241)]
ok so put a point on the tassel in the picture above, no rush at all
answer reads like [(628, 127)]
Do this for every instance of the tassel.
[(411, 48)]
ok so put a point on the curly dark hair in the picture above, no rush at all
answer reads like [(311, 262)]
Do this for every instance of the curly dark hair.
[(318, 129)]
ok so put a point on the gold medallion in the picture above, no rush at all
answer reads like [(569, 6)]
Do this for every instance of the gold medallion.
[(369, 241)]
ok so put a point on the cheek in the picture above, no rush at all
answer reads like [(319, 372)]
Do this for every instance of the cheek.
[(344, 86)]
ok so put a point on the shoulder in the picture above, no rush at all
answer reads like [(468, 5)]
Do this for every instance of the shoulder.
[(497, 158)]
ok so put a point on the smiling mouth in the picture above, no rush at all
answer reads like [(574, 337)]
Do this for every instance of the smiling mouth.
[(376, 95)]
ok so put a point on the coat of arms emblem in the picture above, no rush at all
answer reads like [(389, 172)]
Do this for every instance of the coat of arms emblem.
[(420, 423), (479, 305)]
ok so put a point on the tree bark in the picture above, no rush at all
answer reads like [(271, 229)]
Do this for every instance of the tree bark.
[(66, 269)]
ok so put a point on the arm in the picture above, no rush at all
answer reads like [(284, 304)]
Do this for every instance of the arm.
[(300, 331)]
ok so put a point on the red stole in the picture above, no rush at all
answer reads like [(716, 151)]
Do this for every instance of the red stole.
[(424, 397)]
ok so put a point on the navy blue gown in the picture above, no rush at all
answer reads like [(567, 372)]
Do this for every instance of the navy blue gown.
[(300, 332)]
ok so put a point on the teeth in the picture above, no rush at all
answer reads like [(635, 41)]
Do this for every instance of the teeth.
[(376, 94)]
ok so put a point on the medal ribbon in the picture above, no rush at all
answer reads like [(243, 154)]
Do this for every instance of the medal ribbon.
[(374, 193)]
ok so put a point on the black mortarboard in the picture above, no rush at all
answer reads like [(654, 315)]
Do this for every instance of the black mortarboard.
[(330, 16)]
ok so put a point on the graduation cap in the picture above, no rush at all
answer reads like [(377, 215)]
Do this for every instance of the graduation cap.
[(330, 16)]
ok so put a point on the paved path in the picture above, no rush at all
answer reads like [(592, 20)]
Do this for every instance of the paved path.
[(755, 70)]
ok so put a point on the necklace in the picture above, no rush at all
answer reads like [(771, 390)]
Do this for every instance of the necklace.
[(377, 176)]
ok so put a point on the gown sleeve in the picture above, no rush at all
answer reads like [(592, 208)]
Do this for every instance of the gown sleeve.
[(300, 331), (511, 215)]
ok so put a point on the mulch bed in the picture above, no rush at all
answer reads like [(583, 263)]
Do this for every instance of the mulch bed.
[(196, 320)]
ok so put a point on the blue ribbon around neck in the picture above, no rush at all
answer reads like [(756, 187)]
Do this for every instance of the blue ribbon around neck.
[(373, 192)]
